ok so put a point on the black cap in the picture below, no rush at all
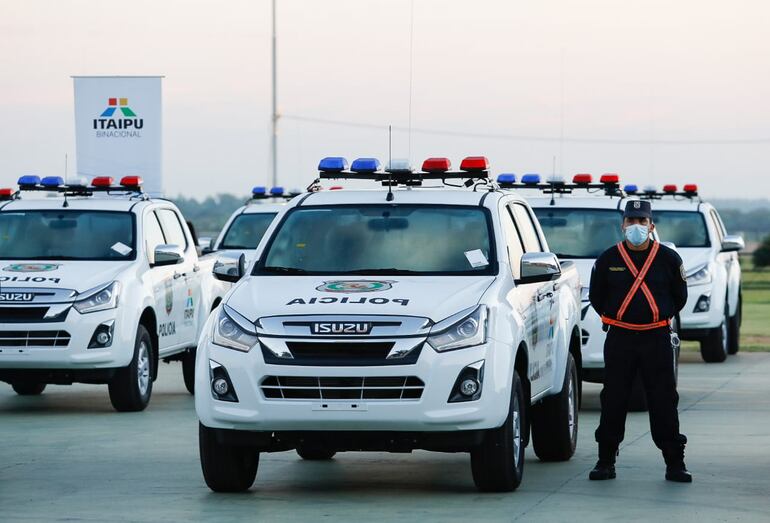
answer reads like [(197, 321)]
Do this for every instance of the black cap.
[(638, 209)]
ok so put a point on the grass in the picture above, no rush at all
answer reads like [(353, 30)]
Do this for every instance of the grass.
[(755, 330)]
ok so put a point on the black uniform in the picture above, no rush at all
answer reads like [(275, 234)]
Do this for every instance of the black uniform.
[(649, 352)]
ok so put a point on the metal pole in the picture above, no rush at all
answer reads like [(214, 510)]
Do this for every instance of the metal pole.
[(274, 136)]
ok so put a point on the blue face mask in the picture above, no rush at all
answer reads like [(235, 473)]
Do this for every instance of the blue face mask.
[(637, 234)]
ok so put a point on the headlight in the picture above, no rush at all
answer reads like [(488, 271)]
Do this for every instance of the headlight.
[(584, 293), (99, 298), (233, 331), (464, 329), (702, 275)]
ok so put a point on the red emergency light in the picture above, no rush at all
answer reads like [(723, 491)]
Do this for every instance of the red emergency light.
[(609, 178), (669, 188), (474, 164), (102, 181), (582, 178), (6, 193), (131, 181), (691, 188), (437, 165)]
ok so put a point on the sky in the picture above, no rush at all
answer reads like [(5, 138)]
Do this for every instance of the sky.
[(657, 91)]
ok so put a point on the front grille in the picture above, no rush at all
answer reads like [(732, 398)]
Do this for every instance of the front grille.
[(342, 388), (340, 354), (15, 339)]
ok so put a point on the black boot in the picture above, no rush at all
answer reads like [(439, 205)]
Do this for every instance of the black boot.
[(605, 467), (675, 467)]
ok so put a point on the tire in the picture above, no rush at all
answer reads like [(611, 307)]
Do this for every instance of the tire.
[(734, 329), (498, 463), (315, 453), (226, 468), (714, 348), (188, 370), (555, 420), (28, 388), (637, 401), (131, 387)]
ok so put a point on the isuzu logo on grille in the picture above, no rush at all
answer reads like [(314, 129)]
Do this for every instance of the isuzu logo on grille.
[(341, 327), (16, 296)]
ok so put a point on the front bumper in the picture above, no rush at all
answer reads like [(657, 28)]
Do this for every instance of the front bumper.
[(695, 324), (592, 339), (430, 413), (66, 343)]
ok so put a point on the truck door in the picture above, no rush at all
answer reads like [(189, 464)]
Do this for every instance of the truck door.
[(186, 279), (162, 280), (541, 370)]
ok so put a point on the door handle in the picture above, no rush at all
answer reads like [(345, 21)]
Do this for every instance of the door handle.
[(541, 297), (178, 275), (196, 268)]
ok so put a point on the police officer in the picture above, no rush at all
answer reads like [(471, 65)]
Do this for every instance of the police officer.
[(637, 286)]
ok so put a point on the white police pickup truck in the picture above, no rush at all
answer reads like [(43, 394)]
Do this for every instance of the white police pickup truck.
[(712, 315), (246, 226), (581, 220), (97, 285), (392, 320)]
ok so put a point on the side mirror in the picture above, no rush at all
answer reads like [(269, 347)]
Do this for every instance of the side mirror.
[(230, 267), (206, 244), (167, 254), (539, 267), (733, 243)]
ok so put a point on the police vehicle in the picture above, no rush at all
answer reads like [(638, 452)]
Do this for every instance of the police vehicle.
[(581, 220), (712, 315), (407, 317), (246, 226), (98, 283)]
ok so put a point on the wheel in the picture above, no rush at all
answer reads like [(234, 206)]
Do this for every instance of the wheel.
[(734, 330), (28, 388), (637, 401), (555, 420), (713, 349), (188, 370), (314, 453), (131, 387), (498, 463), (226, 468)]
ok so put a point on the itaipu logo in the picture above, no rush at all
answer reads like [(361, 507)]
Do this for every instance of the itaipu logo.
[(118, 121), (31, 267), (354, 286)]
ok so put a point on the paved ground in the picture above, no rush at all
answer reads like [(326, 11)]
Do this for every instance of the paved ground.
[(67, 456)]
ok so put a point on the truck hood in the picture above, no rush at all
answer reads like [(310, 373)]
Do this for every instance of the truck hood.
[(434, 297), (694, 257), (76, 275)]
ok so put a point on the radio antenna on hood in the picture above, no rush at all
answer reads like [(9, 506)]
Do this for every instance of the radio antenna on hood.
[(389, 197)]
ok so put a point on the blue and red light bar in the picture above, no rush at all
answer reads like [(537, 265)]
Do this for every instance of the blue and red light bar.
[(399, 171)]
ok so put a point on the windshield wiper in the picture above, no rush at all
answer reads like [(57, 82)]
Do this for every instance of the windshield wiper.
[(382, 271), (284, 270)]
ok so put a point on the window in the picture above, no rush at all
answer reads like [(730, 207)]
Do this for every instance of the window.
[(172, 228), (381, 239), (513, 241), (526, 228), (153, 235), (246, 230), (580, 233), (718, 227), (683, 228), (67, 235)]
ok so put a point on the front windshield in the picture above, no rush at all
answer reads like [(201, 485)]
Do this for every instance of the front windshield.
[(580, 233), (246, 230), (381, 239), (66, 235), (682, 228)]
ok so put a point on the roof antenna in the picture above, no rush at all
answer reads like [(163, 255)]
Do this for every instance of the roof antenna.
[(389, 197), (553, 178), (66, 203)]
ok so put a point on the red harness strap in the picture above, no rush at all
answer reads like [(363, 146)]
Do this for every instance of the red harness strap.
[(638, 284)]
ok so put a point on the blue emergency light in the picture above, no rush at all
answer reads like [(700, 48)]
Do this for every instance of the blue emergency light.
[(276, 191), (52, 182), (333, 164), (530, 179), (506, 178), (365, 165), (29, 180), (631, 188), (259, 190)]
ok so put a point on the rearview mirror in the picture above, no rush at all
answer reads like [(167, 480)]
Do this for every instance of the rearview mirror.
[(230, 267), (733, 243), (167, 254), (206, 245), (539, 267)]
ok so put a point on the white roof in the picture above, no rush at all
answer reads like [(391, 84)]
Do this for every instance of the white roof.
[(417, 195), (580, 198), (259, 207), (97, 202)]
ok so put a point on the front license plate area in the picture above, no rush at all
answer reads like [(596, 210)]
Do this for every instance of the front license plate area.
[(341, 406)]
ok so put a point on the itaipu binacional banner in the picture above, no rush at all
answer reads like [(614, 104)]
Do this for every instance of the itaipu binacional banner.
[(118, 128)]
